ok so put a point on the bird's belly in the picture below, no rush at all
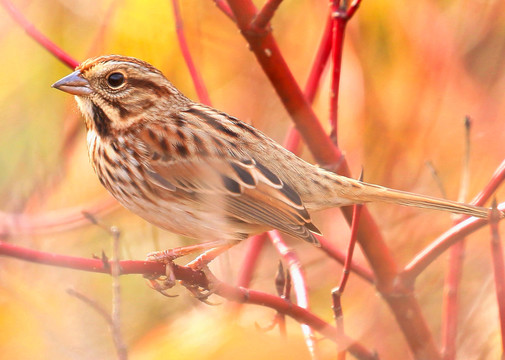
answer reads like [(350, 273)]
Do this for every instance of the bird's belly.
[(182, 218)]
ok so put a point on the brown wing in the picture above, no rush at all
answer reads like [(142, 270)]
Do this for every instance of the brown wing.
[(217, 176)]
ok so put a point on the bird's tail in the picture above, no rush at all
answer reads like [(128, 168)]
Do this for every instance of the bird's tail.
[(359, 192)]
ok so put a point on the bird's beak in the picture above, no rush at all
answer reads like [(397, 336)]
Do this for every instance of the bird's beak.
[(73, 84)]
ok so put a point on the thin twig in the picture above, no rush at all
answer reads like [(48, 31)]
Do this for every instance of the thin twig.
[(299, 284), (424, 258), (109, 318), (99, 309), (120, 346), (292, 143), (115, 271), (264, 16), (353, 8), (382, 261), (450, 301), (499, 270), (332, 251), (350, 250), (198, 82), (225, 8), (341, 13), (267, 52), (465, 169), (429, 254), (36, 35), (434, 174), (198, 278), (319, 62), (496, 180), (336, 296), (339, 22)]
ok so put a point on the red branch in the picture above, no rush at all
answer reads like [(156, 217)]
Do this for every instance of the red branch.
[(450, 300), (338, 314), (38, 36), (340, 15), (336, 294), (296, 312), (200, 88), (255, 245), (264, 16), (499, 271), (350, 250), (319, 63), (195, 277), (338, 24), (496, 180), (292, 143), (225, 8), (332, 251), (405, 307), (422, 260), (270, 58)]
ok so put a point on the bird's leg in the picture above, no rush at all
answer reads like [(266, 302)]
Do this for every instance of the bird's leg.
[(201, 264), (211, 250), (204, 259), (169, 255)]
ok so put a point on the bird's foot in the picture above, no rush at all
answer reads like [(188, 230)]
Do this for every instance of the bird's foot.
[(165, 282)]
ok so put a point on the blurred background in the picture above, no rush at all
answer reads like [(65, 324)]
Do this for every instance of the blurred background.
[(411, 73)]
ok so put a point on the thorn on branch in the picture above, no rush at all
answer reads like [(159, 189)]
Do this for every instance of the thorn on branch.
[(105, 261), (280, 279), (434, 173), (361, 174), (468, 122), (90, 217)]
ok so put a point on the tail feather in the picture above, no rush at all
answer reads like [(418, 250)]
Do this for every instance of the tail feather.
[(428, 202), (364, 192)]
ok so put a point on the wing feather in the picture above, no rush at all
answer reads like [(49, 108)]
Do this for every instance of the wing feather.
[(229, 181)]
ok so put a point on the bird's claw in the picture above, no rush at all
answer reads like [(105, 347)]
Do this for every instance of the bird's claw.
[(200, 293), (163, 257), (161, 283)]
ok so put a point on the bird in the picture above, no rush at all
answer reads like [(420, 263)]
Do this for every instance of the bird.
[(199, 172)]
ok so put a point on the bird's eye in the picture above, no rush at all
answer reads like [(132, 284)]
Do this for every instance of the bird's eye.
[(115, 80)]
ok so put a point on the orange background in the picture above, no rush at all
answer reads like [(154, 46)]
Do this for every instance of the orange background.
[(411, 72)]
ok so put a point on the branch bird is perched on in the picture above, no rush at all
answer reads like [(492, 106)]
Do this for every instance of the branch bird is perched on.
[(199, 172)]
